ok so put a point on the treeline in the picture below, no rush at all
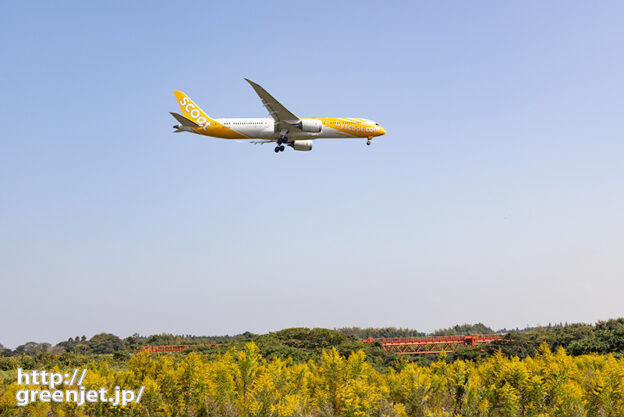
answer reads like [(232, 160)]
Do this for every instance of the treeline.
[(393, 332), (106, 343), (577, 339), (379, 332), (464, 329), (303, 344), (298, 344)]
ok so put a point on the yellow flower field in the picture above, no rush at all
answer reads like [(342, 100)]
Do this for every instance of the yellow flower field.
[(242, 383)]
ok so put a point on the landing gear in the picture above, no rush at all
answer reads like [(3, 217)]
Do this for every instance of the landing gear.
[(280, 144), (368, 142)]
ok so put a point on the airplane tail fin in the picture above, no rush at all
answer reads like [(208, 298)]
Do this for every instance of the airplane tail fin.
[(191, 111)]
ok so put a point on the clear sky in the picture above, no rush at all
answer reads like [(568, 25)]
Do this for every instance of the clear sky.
[(496, 196)]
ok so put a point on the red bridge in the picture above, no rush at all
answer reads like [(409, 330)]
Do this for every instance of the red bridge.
[(431, 344), (401, 345)]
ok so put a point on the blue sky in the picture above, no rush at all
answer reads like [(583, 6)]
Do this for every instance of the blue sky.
[(496, 195)]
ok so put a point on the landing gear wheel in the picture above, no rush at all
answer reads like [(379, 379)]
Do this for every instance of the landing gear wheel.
[(281, 148), (277, 149), (368, 142)]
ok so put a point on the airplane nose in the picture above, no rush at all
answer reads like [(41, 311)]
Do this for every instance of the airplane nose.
[(382, 131)]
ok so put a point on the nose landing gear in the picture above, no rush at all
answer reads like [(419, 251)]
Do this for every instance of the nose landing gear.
[(368, 142)]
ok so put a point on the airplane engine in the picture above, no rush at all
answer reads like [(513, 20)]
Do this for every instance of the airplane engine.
[(310, 125), (302, 145)]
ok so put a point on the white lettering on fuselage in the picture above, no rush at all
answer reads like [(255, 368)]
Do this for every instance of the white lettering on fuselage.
[(195, 113), (355, 128)]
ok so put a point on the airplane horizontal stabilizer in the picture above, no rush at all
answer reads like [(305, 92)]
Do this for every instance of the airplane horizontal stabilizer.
[(183, 120)]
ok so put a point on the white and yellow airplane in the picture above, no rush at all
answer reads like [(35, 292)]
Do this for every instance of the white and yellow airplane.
[(283, 128)]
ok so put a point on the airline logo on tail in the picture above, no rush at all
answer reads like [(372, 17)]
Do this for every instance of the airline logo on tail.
[(192, 111)]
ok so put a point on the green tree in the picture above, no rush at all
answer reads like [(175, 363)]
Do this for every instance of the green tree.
[(105, 343)]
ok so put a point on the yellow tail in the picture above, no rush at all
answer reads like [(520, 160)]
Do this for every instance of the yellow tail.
[(192, 111)]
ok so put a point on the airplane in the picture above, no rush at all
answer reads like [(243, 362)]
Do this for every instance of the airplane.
[(283, 128)]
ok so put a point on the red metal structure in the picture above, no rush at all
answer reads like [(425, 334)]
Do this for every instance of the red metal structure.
[(431, 344), (174, 348), (401, 345)]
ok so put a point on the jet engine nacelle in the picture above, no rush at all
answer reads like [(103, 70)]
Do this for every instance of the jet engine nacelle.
[(302, 145), (310, 125)]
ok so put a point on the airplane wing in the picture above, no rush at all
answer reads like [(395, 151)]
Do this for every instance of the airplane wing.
[(282, 116)]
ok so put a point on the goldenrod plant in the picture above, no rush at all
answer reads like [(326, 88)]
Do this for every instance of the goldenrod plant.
[(241, 382)]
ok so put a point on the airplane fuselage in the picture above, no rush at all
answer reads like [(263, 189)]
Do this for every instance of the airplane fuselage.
[(265, 128)]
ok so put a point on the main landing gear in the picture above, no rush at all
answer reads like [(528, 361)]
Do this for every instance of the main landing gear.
[(280, 142)]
